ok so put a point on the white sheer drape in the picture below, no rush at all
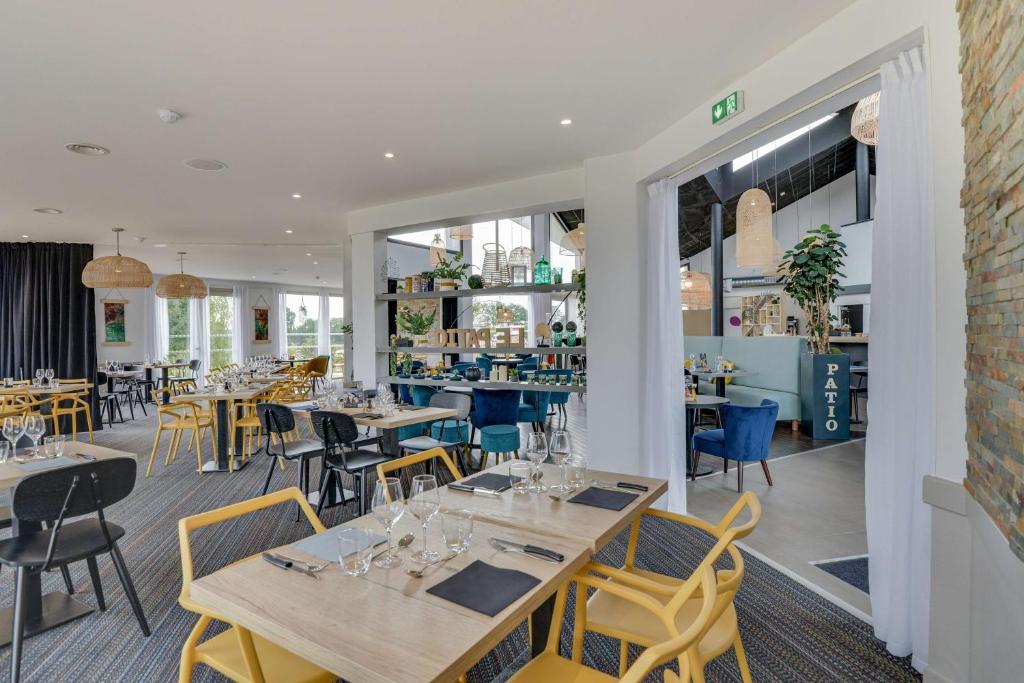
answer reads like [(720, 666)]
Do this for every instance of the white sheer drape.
[(279, 322), (323, 330), (663, 432), (157, 344), (199, 334), (240, 323), (901, 413)]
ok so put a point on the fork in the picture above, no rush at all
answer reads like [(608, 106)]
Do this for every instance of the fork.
[(306, 565)]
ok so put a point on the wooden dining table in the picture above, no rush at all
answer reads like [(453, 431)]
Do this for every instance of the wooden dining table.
[(165, 373), (44, 612), (384, 627), (223, 403), (46, 390), (389, 425)]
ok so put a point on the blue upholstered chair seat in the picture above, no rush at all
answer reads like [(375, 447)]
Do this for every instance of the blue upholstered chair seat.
[(455, 431), (499, 439), (534, 406), (711, 442)]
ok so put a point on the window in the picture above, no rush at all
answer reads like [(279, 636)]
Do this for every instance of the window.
[(303, 319), (500, 311), (561, 257), (222, 313), (336, 306), (423, 237), (179, 345)]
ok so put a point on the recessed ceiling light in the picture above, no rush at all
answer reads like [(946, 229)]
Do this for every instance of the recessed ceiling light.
[(296, 196), (48, 210), (316, 263), (308, 254), (389, 155), (253, 277), (86, 149), (566, 122), (24, 237), (289, 231), (206, 164), (161, 245)]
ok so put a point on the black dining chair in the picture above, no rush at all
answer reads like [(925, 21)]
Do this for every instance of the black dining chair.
[(342, 454), (279, 420), (51, 498), (108, 402)]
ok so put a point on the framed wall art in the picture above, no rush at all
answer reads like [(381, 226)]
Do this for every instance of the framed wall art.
[(114, 332)]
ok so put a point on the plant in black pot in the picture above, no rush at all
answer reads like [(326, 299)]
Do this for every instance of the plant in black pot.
[(556, 332), (570, 332), (812, 272)]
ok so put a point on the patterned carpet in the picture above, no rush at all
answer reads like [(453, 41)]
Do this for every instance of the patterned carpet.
[(791, 634)]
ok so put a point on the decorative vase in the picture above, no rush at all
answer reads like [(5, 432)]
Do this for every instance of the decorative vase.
[(542, 272), (472, 374)]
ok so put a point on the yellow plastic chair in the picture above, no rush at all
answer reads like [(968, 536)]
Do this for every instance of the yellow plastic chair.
[(416, 458), (176, 418), (549, 666), (236, 652), (607, 611), (71, 403), (244, 417)]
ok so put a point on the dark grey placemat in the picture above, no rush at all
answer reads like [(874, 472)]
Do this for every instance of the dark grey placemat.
[(489, 480), (485, 588), (604, 498)]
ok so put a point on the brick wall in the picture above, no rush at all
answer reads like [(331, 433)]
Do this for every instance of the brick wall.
[(992, 67)]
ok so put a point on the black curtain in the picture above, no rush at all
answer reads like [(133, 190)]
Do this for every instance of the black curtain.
[(47, 316)]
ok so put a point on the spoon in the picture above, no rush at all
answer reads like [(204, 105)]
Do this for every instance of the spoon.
[(417, 573), (403, 542)]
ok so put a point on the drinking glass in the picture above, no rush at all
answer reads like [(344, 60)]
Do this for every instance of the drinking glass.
[(424, 502), (576, 471), (561, 449), (49, 376), (5, 451), (39, 377), (519, 474), (355, 547), (34, 429), (387, 508), (54, 445), (457, 529), (537, 452), (14, 427)]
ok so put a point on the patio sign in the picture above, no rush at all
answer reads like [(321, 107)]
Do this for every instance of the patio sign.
[(825, 395), (114, 333), (727, 107), (501, 338), (260, 325)]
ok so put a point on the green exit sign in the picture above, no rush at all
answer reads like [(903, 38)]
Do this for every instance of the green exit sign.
[(727, 107)]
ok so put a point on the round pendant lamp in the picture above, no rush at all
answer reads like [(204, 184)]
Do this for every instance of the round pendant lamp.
[(521, 256), (495, 272), (864, 123), (437, 250), (575, 241), (116, 272), (754, 241), (696, 291), (181, 286), (461, 232)]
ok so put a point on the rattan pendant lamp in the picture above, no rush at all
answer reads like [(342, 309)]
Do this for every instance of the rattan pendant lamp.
[(181, 286), (438, 250), (864, 123), (696, 290), (576, 241), (461, 232), (754, 240), (116, 272)]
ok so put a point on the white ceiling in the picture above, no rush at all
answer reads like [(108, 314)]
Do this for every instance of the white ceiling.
[(306, 97)]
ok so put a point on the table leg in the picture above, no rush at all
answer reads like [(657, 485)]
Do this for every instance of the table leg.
[(540, 625), (110, 385), (165, 374), (720, 387), (691, 426), (220, 461), (389, 441)]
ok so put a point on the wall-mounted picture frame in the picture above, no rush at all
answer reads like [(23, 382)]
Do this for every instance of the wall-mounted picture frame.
[(114, 330), (260, 325)]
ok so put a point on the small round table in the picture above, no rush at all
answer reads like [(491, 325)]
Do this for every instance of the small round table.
[(693, 408), (721, 377)]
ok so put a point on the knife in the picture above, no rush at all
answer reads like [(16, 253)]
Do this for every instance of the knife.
[(621, 485), (474, 489), (532, 550), (287, 564)]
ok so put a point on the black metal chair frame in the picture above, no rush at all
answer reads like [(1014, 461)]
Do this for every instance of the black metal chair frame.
[(337, 449), (272, 426), (108, 402)]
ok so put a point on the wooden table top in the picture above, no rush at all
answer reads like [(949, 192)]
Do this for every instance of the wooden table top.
[(711, 374), (402, 418), (57, 389), (12, 472), (119, 374), (160, 366), (208, 395)]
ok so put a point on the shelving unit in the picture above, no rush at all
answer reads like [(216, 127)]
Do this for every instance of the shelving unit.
[(485, 384), (490, 291), (538, 350)]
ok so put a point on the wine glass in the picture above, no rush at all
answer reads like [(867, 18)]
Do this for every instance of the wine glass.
[(49, 376), (537, 452), (14, 427), (39, 377), (387, 508), (561, 449), (34, 429), (424, 502)]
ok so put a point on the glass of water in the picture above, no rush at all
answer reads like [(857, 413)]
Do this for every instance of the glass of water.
[(355, 548), (576, 471), (457, 529), (54, 445), (519, 473), (5, 451)]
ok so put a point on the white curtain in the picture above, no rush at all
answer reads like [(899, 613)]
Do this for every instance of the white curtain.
[(323, 330), (199, 334), (662, 412), (157, 346), (901, 413), (241, 322), (279, 328)]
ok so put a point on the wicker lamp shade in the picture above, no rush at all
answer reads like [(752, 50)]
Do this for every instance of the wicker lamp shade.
[(576, 239), (495, 272), (754, 241), (521, 256), (461, 232), (864, 123), (437, 250), (116, 272), (181, 286), (696, 291)]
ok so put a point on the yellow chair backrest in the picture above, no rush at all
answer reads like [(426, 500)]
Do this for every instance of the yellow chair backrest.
[(416, 458)]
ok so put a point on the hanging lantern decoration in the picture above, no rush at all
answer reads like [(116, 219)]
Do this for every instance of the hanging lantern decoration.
[(116, 272), (754, 241), (461, 233), (575, 241), (696, 290), (864, 123), (181, 286), (520, 263), (438, 250), (495, 272)]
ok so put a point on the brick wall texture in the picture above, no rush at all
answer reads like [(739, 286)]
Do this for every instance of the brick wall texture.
[(992, 70)]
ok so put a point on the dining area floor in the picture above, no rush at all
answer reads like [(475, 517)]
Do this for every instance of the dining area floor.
[(790, 633)]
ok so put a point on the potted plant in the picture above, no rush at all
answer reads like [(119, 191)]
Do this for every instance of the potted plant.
[(812, 272), (415, 323), (475, 282), (407, 364), (448, 272), (579, 277)]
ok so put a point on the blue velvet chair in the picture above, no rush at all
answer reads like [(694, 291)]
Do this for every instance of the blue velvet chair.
[(418, 396), (745, 436), (534, 408), (530, 364), (495, 414), (559, 398), (485, 363), (403, 389)]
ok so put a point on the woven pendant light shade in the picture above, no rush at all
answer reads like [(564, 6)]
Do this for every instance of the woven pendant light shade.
[(696, 291), (521, 256), (437, 250), (864, 123), (116, 272), (754, 241), (181, 286), (495, 272), (461, 232), (576, 239)]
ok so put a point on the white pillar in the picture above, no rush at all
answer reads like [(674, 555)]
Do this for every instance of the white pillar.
[(346, 291), (540, 304), (369, 317), (613, 313)]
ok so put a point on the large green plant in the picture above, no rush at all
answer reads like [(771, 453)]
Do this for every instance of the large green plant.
[(812, 268), (415, 322), (451, 269), (580, 278)]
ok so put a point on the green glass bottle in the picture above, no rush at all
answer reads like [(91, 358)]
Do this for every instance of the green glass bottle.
[(542, 272)]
